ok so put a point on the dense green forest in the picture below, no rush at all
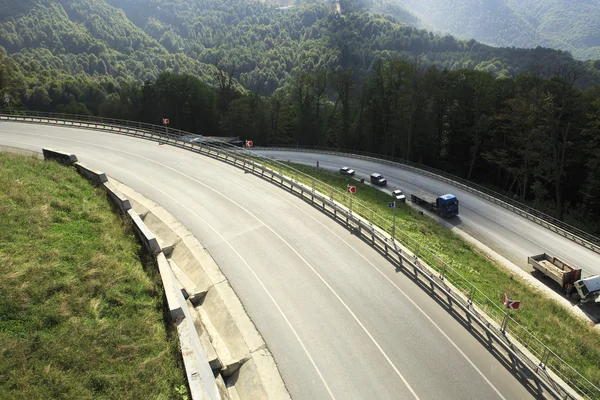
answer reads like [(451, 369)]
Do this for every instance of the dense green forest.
[(117, 40), (522, 121), (573, 26), (536, 137)]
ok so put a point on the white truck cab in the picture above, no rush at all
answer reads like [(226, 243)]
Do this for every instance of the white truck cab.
[(588, 289)]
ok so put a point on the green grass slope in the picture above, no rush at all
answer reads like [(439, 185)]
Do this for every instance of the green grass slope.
[(82, 315)]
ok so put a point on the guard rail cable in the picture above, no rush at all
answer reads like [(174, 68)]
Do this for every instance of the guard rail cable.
[(585, 239), (531, 355)]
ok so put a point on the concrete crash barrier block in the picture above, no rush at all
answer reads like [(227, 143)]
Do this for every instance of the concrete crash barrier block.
[(63, 158), (117, 197), (201, 378), (138, 208), (209, 266), (232, 333), (192, 268), (222, 388), (258, 378), (146, 237), (211, 354), (94, 176), (194, 294), (165, 236), (171, 288)]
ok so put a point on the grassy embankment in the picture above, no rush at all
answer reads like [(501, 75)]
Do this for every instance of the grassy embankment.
[(81, 309), (569, 337)]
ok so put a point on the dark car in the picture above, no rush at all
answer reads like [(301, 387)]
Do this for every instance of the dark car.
[(346, 171), (378, 179)]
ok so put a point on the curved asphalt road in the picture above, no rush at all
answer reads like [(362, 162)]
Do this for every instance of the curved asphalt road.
[(340, 322), (510, 235)]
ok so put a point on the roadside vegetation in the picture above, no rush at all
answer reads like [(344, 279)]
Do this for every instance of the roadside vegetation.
[(569, 337), (81, 307)]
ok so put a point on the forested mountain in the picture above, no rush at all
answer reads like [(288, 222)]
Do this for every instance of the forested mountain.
[(523, 121), (261, 45), (568, 25)]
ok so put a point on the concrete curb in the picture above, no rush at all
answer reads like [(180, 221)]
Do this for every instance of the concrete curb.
[(244, 383), (240, 352), (117, 198), (201, 380), (59, 156), (92, 175), (144, 234), (171, 288)]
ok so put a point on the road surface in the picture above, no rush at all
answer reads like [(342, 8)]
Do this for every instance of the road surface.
[(340, 321), (509, 234)]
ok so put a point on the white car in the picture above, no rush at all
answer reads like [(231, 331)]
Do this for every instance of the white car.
[(398, 195), (346, 171)]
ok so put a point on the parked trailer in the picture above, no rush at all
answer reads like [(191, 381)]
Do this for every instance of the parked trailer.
[(555, 269), (445, 205)]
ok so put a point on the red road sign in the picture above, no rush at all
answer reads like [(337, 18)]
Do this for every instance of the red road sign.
[(249, 143), (165, 121), (351, 189), (511, 304)]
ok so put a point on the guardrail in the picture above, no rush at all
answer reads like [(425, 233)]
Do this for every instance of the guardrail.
[(550, 369), (585, 239)]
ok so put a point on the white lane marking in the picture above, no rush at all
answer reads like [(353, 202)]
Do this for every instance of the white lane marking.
[(236, 252), (398, 288), (383, 353), (272, 231)]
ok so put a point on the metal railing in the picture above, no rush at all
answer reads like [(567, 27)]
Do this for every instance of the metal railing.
[(539, 359), (575, 234)]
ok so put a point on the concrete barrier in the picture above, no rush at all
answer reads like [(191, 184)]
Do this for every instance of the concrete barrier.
[(200, 376), (117, 198), (201, 381), (251, 380), (232, 343), (232, 333), (94, 176), (189, 265), (59, 156), (165, 236), (171, 288), (144, 234)]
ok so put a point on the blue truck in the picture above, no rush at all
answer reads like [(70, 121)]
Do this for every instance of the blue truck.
[(445, 205)]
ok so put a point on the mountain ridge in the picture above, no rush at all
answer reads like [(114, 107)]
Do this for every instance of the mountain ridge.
[(569, 26)]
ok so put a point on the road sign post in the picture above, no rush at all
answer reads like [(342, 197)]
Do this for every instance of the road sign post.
[(7, 101), (393, 205), (351, 190), (166, 124), (510, 304)]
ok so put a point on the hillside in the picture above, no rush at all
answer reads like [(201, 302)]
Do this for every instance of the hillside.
[(84, 37), (109, 42), (566, 25)]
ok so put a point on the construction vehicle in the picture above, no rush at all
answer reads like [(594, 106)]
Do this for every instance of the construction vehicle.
[(445, 205), (555, 269)]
